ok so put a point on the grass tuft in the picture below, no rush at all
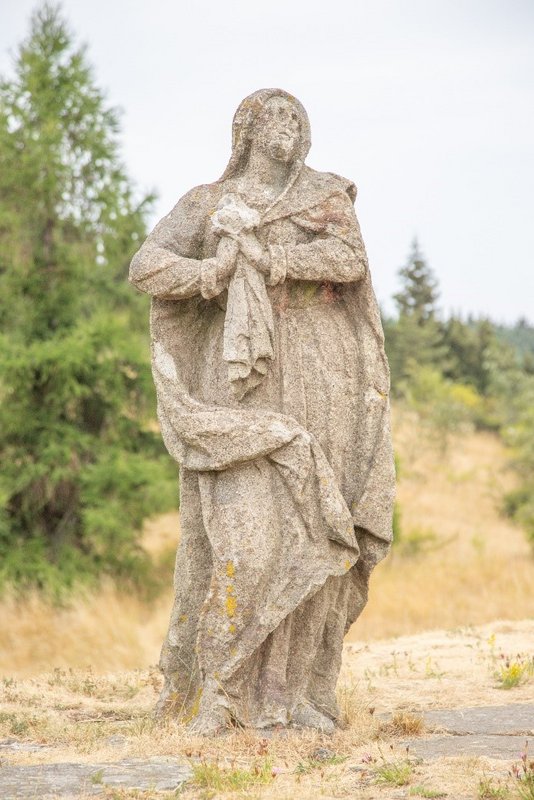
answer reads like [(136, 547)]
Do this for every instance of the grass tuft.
[(403, 723), (394, 773), (488, 790), (213, 778), (423, 791)]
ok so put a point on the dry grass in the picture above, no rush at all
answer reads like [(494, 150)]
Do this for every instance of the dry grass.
[(81, 716), (468, 567), (473, 567), (404, 723)]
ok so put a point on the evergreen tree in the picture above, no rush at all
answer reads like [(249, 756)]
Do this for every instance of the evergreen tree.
[(469, 346), (81, 465), (419, 293), (415, 337)]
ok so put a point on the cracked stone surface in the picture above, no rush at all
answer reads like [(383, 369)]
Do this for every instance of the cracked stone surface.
[(500, 747), (494, 731), (14, 746), (510, 719), (69, 780)]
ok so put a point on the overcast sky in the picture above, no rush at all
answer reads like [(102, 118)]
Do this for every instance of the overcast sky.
[(428, 105)]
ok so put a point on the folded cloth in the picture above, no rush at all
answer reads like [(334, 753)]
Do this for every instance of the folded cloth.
[(248, 344)]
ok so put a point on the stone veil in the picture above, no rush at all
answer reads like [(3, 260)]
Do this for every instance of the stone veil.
[(287, 478)]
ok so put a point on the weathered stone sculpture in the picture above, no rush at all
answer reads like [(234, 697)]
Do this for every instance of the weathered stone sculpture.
[(272, 388)]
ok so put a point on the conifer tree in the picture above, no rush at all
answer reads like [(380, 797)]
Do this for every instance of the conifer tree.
[(81, 467), (415, 337), (419, 292)]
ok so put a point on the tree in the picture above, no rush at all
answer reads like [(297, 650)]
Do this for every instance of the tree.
[(415, 337), (81, 465), (469, 345), (419, 293)]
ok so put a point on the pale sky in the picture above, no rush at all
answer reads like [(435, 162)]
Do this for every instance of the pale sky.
[(428, 105)]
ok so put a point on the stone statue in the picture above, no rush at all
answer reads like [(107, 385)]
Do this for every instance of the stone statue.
[(272, 388)]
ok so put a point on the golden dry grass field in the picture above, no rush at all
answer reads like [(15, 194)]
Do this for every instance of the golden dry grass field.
[(459, 563)]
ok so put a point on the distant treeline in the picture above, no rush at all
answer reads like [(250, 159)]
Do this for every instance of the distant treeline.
[(455, 372), (82, 461)]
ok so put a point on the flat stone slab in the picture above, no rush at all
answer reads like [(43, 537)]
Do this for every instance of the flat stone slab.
[(70, 780), (492, 746), (511, 719), (14, 746), (493, 731)]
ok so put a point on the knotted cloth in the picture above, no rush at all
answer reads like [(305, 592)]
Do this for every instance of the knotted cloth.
[(249, 326)]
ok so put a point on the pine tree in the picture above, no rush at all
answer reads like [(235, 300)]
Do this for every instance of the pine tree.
[(415, 337), (470, 345), (420, 288), (81, 464)]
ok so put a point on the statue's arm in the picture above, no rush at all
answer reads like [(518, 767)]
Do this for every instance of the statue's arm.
[(337, 252), (169, 263)]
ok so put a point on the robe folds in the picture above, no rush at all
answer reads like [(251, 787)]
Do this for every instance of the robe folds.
[(287, 487)]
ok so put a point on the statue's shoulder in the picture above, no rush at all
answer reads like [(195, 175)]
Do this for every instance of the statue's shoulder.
[(200, 198), (328, 182)]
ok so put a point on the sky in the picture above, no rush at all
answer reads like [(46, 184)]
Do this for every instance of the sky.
[(428, 105)]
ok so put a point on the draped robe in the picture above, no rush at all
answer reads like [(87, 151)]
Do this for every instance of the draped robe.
[(286, 491)]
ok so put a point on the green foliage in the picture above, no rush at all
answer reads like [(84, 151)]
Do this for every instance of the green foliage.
[(514, 672), (512, 389), (82, 466), (519, 336), (394, 772), (419, 293), (416, 334), (469, 345), (443, 407), (489, 790), (408, 343)]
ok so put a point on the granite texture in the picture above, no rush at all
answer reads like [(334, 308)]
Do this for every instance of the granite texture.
[(73, 781), (272, 386)]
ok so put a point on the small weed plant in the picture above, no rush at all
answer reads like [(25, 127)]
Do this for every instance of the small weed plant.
[(523, 775), (488, 790), (513, 672), (391, 771)]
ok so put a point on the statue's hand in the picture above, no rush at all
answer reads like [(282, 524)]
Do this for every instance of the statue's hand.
[(253, 251), (233, 216), (227, 251)]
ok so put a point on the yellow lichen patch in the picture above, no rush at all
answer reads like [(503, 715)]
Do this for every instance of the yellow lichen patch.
[(196, 704), (230, 569), (229, 589), (347, 564), (183, 618), (232, 628), (231, 605)]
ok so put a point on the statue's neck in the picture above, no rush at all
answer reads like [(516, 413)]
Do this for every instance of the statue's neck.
[(264, 171)]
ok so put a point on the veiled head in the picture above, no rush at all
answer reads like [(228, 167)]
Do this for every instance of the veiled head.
[(278, 121)]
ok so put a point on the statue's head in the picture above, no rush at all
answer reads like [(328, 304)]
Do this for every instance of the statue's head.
[(274, 121)]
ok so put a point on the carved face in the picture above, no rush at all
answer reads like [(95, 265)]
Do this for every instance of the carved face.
[(277, 129)]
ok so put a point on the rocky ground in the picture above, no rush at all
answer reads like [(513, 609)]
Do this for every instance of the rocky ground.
[(438, 714)]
